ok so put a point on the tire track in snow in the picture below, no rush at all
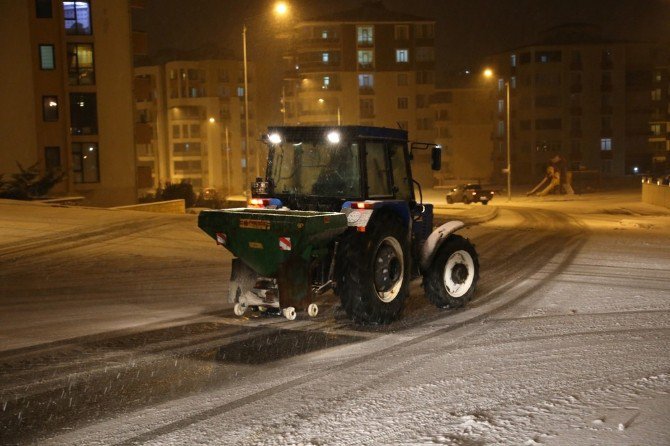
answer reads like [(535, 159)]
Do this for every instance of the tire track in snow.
[(570, 247)]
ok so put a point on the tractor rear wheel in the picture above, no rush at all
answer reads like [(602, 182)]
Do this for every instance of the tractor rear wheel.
[(451, 280), (373, 271)]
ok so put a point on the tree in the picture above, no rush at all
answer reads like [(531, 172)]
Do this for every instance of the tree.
[(28, 183)]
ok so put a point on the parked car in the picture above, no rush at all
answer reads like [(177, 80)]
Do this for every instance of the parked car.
[(469, 193)]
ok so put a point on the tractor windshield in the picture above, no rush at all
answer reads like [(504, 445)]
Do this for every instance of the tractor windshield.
[(316, 168)]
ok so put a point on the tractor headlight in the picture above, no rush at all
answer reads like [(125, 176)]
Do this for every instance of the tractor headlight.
[(274, 138), (333, 137)]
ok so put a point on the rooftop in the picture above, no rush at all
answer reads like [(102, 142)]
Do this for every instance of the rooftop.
[(369, 12)]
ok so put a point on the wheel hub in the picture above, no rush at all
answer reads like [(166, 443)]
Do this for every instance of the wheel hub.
[(388, 269)]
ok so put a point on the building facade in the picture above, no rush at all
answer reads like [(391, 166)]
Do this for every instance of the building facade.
[(190, 125), (67, 92), (659, 132), (577, 95), (464, 115), (366, 66)]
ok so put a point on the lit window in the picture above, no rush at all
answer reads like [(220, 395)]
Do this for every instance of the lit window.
[(324, 57), (77, 17), (85, 162), (402, 56), (240, 92), (365, 81), (365, 35), (326, 82), (50, 108), (656, 94), (80, 64), (512, 82), (655, 129), (501, 128), (606, 144), (513, 60), (365, 58), (501, 105), (324, 34), (47, 59), (501, 84)]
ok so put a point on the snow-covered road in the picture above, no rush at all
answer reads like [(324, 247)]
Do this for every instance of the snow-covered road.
[(122, 338)]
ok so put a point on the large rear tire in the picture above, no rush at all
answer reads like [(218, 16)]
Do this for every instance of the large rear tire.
[(450, 200), (373, 271), (451, 280)]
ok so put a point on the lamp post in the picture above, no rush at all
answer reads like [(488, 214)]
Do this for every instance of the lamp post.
[(489, 73), (280, 9)]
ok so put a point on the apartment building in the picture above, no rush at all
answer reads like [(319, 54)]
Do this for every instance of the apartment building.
[(463, 115), (190, 125), (659, 134), (578, 95), (67, 94), (365, 66)]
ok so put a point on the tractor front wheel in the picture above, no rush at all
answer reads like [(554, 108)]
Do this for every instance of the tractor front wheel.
[(451, 280), (374, 273)]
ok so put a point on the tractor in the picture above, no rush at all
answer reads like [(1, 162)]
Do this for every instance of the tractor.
[(337, 210)]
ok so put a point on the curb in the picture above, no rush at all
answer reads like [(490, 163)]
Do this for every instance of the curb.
[(468, 217)]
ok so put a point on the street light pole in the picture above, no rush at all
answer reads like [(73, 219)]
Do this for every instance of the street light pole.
[(246, 111), (509, 160)]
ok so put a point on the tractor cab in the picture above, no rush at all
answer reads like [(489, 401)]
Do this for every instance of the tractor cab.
[(321, 168)]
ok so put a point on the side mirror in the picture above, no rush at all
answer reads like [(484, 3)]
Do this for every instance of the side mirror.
[(436, 158)]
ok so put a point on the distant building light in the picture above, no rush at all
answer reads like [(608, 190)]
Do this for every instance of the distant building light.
[(274, 138), (212, 120), (636, 169)]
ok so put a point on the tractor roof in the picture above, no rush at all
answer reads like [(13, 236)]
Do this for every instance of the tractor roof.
[(348, 131)]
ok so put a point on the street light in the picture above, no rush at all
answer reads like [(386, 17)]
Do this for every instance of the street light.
[(280, 9), (488, 73), (339, 118)]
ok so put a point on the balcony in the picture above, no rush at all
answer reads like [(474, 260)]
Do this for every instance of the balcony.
[(319, 43), (366, 90), (366, 66), (367, 114)]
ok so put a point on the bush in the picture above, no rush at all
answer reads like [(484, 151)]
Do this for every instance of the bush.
[(28, 184), (176, 191)]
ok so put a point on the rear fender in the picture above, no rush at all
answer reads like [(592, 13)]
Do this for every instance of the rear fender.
[(435, 240), (359, 213)]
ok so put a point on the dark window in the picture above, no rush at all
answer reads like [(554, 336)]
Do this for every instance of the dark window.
[(548, 124), (52, 158), (401, 183), (85, 162), (83, 114), (77, 17), (43, 9), (524, 58), (80, 64), (50, 108), (47, 59), (547, 56)]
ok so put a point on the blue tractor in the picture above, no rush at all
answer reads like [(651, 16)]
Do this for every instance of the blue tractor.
[(337, 210)]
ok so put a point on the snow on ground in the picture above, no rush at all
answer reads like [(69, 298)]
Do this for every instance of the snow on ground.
[(581, 357)]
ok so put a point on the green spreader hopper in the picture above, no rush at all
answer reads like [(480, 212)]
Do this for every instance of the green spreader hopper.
[(276, 250)]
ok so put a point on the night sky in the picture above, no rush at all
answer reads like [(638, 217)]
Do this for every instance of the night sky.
[(466, 30)]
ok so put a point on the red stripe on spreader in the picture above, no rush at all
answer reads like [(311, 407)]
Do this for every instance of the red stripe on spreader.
[(285, 243)]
